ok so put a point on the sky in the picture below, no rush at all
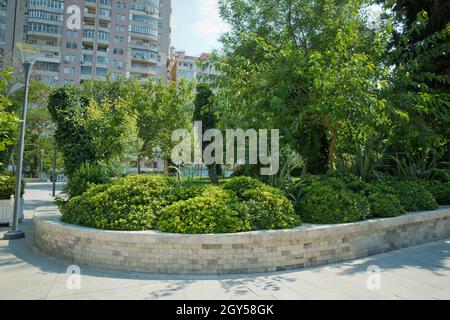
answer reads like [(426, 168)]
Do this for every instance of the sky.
[(196, 26)]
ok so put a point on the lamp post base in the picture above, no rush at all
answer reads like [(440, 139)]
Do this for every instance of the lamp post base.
[(14, 234)]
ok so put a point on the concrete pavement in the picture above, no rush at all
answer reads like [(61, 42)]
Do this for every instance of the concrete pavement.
[(421, 272)]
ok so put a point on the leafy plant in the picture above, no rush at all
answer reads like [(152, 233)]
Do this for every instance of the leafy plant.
[(215, 211), (323, 204), (8, 187), (86, 176)]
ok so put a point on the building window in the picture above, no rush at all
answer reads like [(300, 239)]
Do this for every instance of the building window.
[(71, 45), (88, 34), (117, 64), (69, 70), (45, 15), (101, 72), (103, 35), (120, 17), (46, 3), (41, 27), (72, 33), (86, 70), (105, 13), (102, 60), (118, 51), (69, 59)]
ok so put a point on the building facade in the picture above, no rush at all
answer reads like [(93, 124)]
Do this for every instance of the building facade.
[(190, 67), (115, 38)]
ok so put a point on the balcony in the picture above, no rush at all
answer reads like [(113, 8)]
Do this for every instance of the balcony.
[(43, 34), (148, 70), (44, 47), (143, 59), (142, 45), (104, 17), (55, 59), (41, 20)]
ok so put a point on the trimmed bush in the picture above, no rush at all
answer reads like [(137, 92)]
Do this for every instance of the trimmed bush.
[(240, 185), (440, 191), (215, 211), (84, 177), (8, 187), (384, 205), (323, 204), (132, 203), (413, 195), (268, 209)]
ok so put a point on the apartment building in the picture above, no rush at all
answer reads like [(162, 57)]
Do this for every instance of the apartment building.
[(190, 67), (115, 38)]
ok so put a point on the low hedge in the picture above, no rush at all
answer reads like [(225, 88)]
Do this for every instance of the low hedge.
[(132, 203), (8, 186), (440, 190), (215, 211), (324, 204), (413, 195), (146, 203)]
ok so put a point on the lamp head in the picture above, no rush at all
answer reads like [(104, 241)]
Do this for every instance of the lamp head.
[(28, 53)]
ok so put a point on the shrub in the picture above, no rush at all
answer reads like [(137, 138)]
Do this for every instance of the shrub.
[(132, 203), (440, 191), (383, 205), (215, 211), (85, 176), (8, 187), (413, 195), (240, 185), (323, 204), (268, 209)]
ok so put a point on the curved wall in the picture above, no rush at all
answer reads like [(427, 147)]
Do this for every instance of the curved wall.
[(261, 251)]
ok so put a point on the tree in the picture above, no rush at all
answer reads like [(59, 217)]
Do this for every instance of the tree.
[(88, 131), (161, 109), (313, 69), (421, 77), (8, 121), (204, 112)]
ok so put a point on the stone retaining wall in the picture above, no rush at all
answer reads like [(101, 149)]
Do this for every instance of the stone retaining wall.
[(261, 251)]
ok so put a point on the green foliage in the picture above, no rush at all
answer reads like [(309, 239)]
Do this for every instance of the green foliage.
[(440, 191), (413, 195), (240, 185), (204, 113), (148, 202), (8, 121), (267, 209), (8, 187), (86, 176), (311, 68), (324, 204), (384, 205), (215, 211), (132, 203), (89, 131)]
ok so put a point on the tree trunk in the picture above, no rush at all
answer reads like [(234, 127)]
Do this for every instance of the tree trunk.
[(448, 147), (139, 163), (333, 143), (213, 174)]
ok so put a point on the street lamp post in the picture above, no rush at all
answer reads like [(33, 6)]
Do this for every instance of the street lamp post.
[(29, 55)]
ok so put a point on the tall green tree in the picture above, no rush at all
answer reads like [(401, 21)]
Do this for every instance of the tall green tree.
[(421, 77), (8, 121), (204, 112), (313, 69), (88, 131)]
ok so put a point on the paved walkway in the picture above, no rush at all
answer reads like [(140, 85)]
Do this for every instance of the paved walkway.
[(421, 272)]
